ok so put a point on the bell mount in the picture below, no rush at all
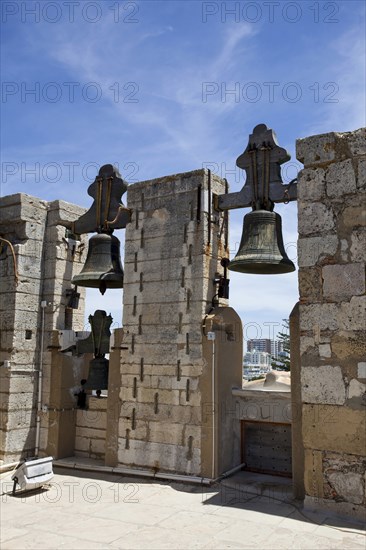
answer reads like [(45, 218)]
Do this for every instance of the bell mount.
[(261, 250), (103, 268), (261, 161)]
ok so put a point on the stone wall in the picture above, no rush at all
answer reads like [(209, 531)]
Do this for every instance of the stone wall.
[(45, 265), (91, 424), (173, 249), (331, 252)]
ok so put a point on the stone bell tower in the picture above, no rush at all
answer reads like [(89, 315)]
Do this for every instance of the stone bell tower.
[(175, 380)]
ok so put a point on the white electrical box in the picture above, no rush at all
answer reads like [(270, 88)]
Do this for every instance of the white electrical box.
[(211, 336)]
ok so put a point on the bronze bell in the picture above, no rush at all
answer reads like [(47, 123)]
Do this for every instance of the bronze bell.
[(98, 374), (103, 268), (261, 249)]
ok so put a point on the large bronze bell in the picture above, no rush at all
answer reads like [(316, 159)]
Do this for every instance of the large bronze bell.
[(98, 374), (261, 249), (103, 268)]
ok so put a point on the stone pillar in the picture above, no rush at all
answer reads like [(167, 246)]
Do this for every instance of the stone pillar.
[(45, 267), (173, 249), (113, 407), (23, 222), (331, 251), (296, 406), (223, 371)]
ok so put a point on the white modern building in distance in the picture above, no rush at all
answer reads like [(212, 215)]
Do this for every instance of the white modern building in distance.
[(273, 347), (256, 363)]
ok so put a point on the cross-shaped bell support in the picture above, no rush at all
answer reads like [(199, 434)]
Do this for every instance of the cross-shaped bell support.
[(98, 344), (261, 249)]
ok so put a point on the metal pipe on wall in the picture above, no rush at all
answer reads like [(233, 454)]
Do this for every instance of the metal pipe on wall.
[(40, 381)]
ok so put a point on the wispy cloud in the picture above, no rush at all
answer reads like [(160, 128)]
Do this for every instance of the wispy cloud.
[(169, 54)]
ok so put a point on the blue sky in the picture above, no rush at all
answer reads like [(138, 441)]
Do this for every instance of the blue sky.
[(146, 85)]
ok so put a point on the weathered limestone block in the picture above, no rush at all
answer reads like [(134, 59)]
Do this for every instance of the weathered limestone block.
[(94, 446), (340, 178), (186, 414), (23, 436), (318, 316), (311, 185), (21, 418), (341, 282), (357, 142), (147, 395), (188, 396), (29, 267), (147, 242), (24, 302), (164, 186), (89, 433), (361, 370), (334, 428), (163, 370), (97, 403), (33, 230), (23, 384), (161, 314), (155, 382), (163, 382), (354, 216), (358, 245), (167, 432), (155, 353), (348, 344), (348, 486), (91, 418), (306, 343), (154, 292), (356, 395), (17, 401), (186, 301), (315, 218), (134, 369), (325, 351), (169, 268), (323, 384), (153, 223), (60, 270), (169, 333), (323, 149), (310, 285), (162, 456), (26, 285), (60, 209), (344, 477), (317, 150), (352, 315), (43, 436), (361, 181), (313, 250), (139, 432), (29, 247)]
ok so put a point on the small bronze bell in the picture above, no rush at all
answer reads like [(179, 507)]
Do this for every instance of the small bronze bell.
[(261, 249), (103, 268), (98, 374)]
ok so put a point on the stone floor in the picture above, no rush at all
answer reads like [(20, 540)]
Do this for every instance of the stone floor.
[(99, 510)]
